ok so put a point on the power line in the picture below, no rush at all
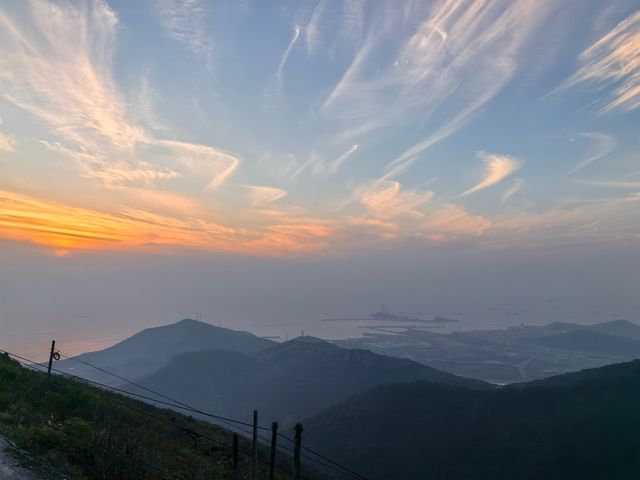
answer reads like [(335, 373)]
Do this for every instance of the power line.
[(30, 364), (310, 450), (185, 406), (181, 405), (166, 397), (192, 409), (147, 414), (144, 397)]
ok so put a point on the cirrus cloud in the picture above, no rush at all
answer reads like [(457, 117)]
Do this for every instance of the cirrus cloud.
[(514, 188), (615, 60), (497, 168), (65, 78), (7, 143), (261, 195)]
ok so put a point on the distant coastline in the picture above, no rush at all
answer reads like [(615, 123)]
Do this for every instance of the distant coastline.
[(384, 315)]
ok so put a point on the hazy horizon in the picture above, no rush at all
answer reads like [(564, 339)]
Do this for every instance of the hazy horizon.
[(91, 301)]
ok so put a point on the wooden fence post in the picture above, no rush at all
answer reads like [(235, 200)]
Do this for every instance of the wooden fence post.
[(296, 451), (272, 459), (236, 470), (53, 350), (254, 471)]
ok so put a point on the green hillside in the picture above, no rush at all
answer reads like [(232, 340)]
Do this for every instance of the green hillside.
[(89, 434)]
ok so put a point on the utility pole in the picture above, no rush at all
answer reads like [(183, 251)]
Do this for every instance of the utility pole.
[(51, 354), (296, 451), (254, 471), (236, 474), (272, 459)]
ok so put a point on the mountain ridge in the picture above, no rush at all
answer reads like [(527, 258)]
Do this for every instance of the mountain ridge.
[(152, 348), (286, 381)]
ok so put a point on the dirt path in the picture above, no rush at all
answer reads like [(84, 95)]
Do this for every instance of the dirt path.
[(10, 468)]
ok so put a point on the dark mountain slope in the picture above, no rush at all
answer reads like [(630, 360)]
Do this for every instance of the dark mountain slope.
[(620, 372), (587, 429), (151, 349), (287, 381)]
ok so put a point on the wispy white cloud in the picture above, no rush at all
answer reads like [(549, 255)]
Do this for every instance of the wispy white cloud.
[(576, 221), (62, 73), (448, 60), (399, 213), (629, 175), (216, 166), (262, 195), (320, 165), (337, 163), (312, 26), (143, 106), (386, 199), (612, 184), (498, 167), (514, 188), (62, 76), (287, 52), (114, 173), (451, 222), (144, 174), (186, 22), (407, 158), (393, 212), (602, 145), (353, 12), (614, 60), (7, 143)]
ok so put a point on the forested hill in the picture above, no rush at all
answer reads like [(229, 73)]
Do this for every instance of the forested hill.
[(85, 433), (584, 425)]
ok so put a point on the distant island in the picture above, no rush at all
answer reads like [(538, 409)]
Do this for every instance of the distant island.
[(385, 315)]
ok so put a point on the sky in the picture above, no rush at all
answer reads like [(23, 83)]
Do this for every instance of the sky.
[(264, 165)]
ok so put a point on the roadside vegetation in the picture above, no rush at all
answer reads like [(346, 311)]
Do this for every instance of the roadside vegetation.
[(90, 434)]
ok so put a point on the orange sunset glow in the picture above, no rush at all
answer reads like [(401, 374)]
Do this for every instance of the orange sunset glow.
[(65, 229)]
